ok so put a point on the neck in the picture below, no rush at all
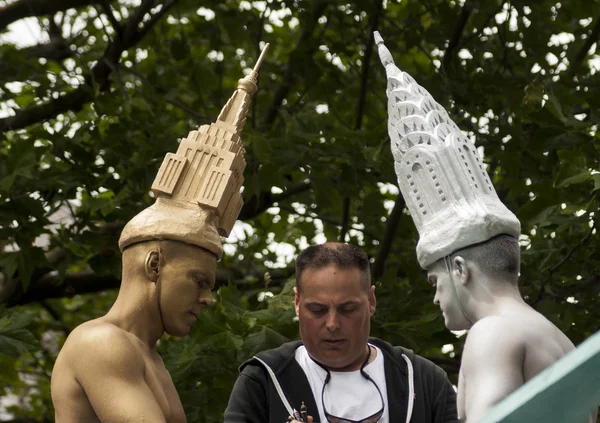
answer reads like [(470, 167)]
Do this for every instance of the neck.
[(356, 364), (136, 311), (504, 298)]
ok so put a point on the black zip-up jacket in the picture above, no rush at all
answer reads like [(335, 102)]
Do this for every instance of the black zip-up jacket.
[(254, 398)]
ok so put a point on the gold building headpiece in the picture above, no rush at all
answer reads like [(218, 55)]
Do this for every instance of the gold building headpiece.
[(197, 189), (442, 178)]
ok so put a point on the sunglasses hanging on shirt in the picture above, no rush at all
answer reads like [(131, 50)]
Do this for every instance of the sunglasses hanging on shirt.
[(374, 418)]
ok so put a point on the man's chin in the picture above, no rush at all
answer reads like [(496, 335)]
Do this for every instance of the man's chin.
[(179, 332), (456, 326)]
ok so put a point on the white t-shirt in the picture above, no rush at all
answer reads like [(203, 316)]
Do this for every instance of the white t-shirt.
[(348, 394)]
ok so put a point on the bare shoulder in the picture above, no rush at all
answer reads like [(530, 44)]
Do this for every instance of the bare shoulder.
[(493, 335), (493, 328), (98, 342)]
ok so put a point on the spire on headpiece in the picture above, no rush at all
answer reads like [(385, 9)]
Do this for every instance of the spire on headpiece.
[(442, 178), (197, 189), (235, 111)]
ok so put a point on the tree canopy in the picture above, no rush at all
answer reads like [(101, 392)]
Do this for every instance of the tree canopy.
[(87, 115)]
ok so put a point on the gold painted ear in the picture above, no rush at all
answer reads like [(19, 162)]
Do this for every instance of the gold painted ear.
[(152, 265)]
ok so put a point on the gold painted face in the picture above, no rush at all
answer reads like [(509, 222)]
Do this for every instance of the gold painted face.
[(187, 276)]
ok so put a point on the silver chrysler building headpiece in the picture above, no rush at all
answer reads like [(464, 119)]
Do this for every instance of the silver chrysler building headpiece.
[(442, 178)]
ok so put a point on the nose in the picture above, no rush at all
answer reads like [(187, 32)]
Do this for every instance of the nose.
[(436, 300), (206, 300), (333, 323)]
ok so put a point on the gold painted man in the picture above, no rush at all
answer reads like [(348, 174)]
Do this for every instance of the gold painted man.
[(108, 369), (469, 245)]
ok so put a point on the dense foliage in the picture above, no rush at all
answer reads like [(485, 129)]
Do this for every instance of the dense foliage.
[(88, 114)]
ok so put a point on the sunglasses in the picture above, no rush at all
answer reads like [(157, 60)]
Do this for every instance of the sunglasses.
[(374, 418)]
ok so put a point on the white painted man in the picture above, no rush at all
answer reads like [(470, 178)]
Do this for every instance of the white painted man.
[(468, 243)]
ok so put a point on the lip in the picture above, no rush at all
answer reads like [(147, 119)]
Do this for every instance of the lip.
[(195, 315), (334, 342)]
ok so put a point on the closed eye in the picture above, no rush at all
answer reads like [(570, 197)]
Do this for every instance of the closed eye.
[(317, 311), (202, 283)]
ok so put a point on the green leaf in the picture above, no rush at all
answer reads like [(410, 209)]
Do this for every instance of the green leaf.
[(572, 170), (596, 178), (265, 338), (15, 338)]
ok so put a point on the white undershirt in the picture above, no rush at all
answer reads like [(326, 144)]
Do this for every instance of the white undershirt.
[(348, 394)]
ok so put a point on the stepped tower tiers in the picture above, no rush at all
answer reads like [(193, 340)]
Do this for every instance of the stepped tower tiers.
[(197, 188), (442, 178)]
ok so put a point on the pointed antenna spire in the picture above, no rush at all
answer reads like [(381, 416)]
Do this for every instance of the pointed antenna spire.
[(236, 109), (253, 75), (384, 54)]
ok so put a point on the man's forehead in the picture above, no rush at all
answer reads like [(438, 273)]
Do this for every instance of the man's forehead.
[(191, 254), (331, 302), (437, 267), (331, 272)]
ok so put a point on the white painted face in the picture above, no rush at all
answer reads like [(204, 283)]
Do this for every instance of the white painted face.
[(446, 295)]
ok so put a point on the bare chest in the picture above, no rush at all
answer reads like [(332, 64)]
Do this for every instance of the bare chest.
[(160, 383)]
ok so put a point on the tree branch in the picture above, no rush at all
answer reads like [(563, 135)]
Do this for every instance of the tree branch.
[(583, 52), (153, 20), (477, 34), (261, 202), (551, 270), (362, 97), (26, 8), (454, 41), (53, 285), (75, 99), (57, 49), (581, 286), (105, 5), (388, 237), (325, 219), (302, 49), (345, 219), (360, 107)]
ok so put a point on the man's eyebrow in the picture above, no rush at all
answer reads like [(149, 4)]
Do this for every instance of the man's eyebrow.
[(204, 277), (349, 303), (315, 304)]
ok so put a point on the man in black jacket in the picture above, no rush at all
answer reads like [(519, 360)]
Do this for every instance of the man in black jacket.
[(337, 373)]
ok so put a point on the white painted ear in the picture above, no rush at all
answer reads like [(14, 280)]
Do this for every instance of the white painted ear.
[(152, 265), (462, 269)]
